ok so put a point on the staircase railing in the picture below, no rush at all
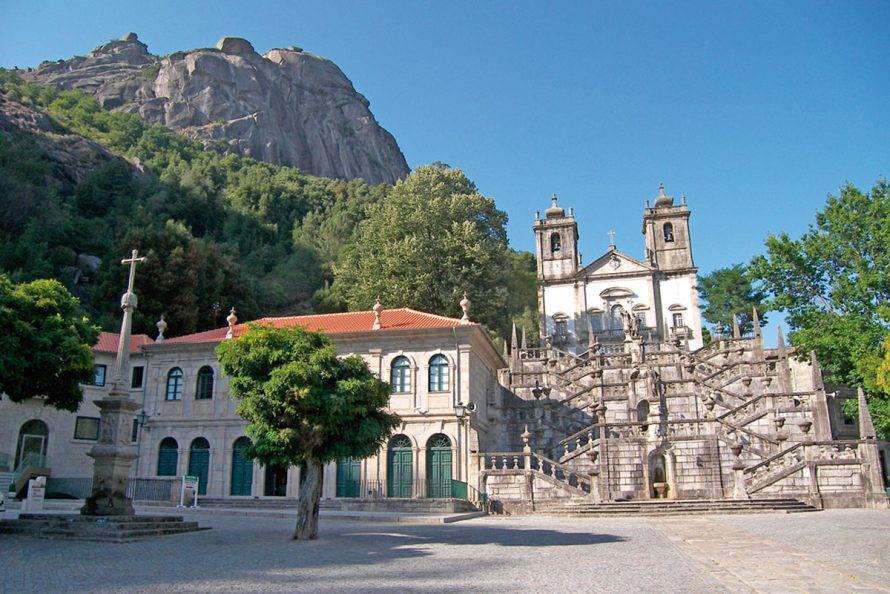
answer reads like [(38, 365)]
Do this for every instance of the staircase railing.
[(30, 460), (558, 473)]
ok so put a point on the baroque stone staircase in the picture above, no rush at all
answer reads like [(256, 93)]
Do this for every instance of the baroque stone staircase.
[(666, 507)]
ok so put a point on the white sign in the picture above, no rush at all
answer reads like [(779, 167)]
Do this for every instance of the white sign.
[(190, 486), (36, 494)]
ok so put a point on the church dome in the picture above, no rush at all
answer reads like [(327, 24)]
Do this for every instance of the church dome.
[(555, 211), (663, 199)]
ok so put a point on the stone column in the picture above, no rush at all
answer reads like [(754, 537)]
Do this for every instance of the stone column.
[(113, 453)]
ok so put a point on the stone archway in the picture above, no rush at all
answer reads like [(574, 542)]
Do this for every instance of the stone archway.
[(660, 475)]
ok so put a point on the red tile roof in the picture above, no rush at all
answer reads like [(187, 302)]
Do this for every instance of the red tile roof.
[(108, 342), (336, 323)]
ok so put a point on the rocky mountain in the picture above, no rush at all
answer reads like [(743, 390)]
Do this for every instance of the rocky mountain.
[(286, 106), (72, 158)]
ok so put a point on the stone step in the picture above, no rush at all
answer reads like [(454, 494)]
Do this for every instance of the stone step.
[(674, 507), (107, 528), (701, 512)]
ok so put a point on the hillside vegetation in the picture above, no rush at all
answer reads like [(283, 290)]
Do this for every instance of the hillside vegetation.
[(219, 230)]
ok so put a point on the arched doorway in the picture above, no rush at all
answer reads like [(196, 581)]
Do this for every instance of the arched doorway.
[(32, 442), (659, 487), (349, 477), (276, 481), (643, 414), (199, 462), (242, 468), (168, 457), (399, 467), (438, 466)]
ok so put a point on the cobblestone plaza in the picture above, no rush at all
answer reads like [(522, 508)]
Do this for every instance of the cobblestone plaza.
[(831, 551)]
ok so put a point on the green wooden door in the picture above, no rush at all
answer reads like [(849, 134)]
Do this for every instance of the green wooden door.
[(168, 457), (242, 468), (199, 463), (399, 467), (438, 466), (349, 477)]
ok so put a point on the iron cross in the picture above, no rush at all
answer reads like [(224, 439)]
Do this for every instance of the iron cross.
[(135, 259)]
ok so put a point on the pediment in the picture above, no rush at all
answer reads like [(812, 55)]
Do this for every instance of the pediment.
[(614, 262)]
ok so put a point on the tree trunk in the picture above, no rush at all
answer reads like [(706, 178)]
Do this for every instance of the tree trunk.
[(307, 506)]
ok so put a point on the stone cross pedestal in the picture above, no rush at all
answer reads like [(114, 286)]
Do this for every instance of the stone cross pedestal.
[(114, 452)]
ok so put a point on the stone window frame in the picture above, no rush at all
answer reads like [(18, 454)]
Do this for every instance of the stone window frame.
[(405, 385), (92, 435), (204, 388), (179, 380), (444, 364)]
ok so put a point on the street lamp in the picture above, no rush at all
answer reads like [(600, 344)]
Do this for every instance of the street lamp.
[(142, 418), (460, 410)]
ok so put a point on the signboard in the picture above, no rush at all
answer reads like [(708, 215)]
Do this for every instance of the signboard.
[(36, 494), (190, 486)]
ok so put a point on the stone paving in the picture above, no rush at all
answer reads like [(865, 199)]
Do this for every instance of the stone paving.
[(845, 550)]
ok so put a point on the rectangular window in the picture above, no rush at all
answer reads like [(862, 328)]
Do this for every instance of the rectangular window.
[(134, 436), (86, 428), (99, 375), (138, 373), (678, 320)]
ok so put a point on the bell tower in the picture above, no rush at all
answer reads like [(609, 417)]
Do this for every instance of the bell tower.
[(666, 227), (556, 243)]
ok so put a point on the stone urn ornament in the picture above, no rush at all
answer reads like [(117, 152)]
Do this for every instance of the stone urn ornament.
[(805, 426)]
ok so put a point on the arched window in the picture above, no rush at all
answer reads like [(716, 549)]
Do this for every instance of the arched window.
[(174, 384), (596, 321), (400, 375), (668, 233), (560, 325), (204, 389), (438, 381), (555, 243), (168, 457), (33, 437), (615, 322), (642, 411)]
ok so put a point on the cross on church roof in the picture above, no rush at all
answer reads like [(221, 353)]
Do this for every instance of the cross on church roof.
[(611, 235)]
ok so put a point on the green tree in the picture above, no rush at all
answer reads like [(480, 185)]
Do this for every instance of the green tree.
[(305, 405), (729, 292), (45, 344), (834, 285), (432, 238)]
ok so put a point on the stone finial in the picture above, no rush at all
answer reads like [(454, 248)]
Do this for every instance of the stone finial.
[(231, 320), (161, 325), (514, 342), (524, 343), (465, 307), (663, 199), (506, 351), (866, 426), (555, 211), (736, 332), (525, 436), (376, 308), (756, 320), (780, 344)]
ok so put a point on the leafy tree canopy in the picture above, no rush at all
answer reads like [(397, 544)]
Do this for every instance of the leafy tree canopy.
[(45, 343), (433, 237), (729, 292), (304, 405), (834, 284)]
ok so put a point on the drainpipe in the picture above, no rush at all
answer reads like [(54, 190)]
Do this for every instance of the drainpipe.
[(461, 445)]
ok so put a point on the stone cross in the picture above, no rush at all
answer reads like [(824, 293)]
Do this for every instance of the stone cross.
[(611, 235), (113, 453), (128, 304)]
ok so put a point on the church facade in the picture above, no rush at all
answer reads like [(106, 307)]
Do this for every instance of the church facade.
[(620, 400)]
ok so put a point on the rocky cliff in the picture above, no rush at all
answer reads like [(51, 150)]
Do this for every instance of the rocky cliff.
[(286, 106)]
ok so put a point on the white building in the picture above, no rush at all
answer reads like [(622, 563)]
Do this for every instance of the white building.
[(660, 291)]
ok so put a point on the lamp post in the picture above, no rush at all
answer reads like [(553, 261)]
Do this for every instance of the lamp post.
[(462, 412)]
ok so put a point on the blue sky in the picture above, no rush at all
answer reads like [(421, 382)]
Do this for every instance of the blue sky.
[(755, 111)]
